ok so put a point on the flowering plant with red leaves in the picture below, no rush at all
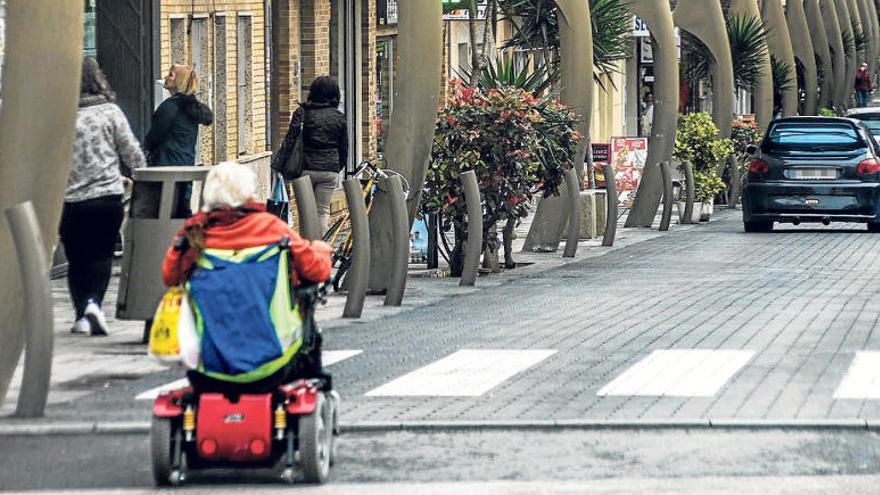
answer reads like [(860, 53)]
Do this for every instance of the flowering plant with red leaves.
[(518, 144)]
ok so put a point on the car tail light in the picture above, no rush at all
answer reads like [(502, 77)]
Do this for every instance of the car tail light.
[(868, 167), (758, 166)]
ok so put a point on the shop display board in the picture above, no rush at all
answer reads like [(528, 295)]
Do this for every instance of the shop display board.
[(628, 156)]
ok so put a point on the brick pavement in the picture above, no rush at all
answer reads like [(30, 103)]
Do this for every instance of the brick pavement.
[(800, 301), (84, 365)]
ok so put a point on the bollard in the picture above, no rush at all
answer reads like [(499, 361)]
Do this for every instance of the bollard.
[(400, 252), (39, 333), (474, 229), (735, 182), (611, 202), (574, 215), (359, 272), (668, 200), (689, 192), (307, 209)]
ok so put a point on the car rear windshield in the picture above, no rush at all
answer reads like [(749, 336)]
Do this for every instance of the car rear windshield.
[(813, 136), (871, 121)]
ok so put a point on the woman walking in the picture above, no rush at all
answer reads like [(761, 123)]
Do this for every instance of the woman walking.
[(92, 212), (325, 142), (174, 129)]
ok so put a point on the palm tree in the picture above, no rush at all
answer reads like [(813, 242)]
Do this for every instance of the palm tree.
[(748, 46), (783, 80), (536, 28)]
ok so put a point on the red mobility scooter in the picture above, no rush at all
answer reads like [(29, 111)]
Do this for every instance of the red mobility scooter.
[(211, 425)]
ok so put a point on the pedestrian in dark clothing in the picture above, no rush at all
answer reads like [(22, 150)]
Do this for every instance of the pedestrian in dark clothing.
[(325, 142), (104, 145), (174, 130), (863, 86)]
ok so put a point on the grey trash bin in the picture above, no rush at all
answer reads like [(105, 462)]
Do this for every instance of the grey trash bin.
[(151, 227)]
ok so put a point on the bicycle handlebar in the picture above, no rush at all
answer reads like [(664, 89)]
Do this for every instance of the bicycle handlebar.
[(382, 173)]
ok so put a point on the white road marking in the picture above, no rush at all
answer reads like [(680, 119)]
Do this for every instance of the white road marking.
[(678, 373), (862, 380), (466, 373), (328, 357)]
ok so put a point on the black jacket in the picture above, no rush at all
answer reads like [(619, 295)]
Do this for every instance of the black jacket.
[(174, 130), (325, 138)]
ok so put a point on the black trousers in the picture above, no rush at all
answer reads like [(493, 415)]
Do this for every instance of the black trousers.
[(88, 231)]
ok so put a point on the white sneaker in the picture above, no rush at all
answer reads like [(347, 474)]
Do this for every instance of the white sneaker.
[(97, 320), (81, 326)]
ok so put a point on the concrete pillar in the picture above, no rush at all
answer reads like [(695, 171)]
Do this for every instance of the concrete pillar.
[(838, 55), (802, 46), (576, 53), (763, 89), (821, 49), (779, 43), (658, 17), (411, 132), (875, 29), (856, 20), (843, 19), (705, 20), (870, 34), (40, 79)]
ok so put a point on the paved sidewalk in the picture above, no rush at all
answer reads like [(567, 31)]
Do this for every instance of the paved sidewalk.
[(83, 365)]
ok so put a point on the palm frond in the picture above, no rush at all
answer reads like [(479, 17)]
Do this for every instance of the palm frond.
[(860, 41), (504, 72), (748, 47), (783, 77)]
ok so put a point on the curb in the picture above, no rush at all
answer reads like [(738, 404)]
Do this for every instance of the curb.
[(143, 428)]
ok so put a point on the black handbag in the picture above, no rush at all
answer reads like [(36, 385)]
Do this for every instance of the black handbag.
[(293, 169), (279, 203)]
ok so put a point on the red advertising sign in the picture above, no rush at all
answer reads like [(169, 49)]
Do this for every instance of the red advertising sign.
[(628, 156)]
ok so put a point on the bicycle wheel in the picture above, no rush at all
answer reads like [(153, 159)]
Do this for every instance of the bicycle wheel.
[(339, 276)]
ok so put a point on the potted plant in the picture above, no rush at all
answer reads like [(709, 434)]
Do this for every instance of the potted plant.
[(696, 141), (519, 145), (706, 185)]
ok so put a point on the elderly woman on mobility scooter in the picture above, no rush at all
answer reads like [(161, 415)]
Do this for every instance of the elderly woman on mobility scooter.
[(260, 361)]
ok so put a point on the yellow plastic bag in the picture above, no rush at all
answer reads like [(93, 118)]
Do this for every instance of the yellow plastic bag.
[(173, 335)]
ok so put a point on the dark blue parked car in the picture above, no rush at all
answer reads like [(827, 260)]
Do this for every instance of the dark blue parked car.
[(813, 169)]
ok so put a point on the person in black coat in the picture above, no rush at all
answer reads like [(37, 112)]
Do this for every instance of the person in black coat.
[(174, 129), (325, 142)]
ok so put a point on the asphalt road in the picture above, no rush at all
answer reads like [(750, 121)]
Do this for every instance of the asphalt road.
[(618, 459)]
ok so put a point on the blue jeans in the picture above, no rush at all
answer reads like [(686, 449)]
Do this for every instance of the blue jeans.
[(861, 99)]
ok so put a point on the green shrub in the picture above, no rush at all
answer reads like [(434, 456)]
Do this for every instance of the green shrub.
[(706, 185), (697, 141)]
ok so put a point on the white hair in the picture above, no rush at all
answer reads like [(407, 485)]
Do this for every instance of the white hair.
[(230, 185)]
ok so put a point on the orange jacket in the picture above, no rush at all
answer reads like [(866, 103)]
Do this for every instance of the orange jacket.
[(310, 261)]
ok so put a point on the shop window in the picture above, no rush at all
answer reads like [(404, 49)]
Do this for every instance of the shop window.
[(219, 124), (245, 83), (89, 43), (178, 41), (201, 63), (385, 72)]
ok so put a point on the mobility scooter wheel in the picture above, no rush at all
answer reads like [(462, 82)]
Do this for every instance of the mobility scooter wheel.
[(331, 420), (314, 443), (161, 438)]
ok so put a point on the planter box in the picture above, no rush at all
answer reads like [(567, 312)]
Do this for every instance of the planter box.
[(696, 214)]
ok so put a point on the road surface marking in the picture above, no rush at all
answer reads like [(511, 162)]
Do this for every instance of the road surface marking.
[(328, 357), (862, 380), (678, 373), (466, 373)]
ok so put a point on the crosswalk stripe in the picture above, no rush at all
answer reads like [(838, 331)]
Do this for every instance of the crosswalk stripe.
[(466, 373), (329, 358), (678, 373), (862, 380)]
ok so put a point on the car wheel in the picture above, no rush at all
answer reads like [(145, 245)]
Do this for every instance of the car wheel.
[(874, 228), (758, 226)]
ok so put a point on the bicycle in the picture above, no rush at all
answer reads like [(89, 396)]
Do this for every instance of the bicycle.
[(339, 234)]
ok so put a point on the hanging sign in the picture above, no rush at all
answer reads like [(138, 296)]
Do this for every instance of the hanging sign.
[(462, 14)]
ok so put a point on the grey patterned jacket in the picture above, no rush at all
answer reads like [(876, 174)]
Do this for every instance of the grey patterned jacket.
[(104, 145)]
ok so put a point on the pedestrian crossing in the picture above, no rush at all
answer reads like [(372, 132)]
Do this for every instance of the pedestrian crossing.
[(679, 373)]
